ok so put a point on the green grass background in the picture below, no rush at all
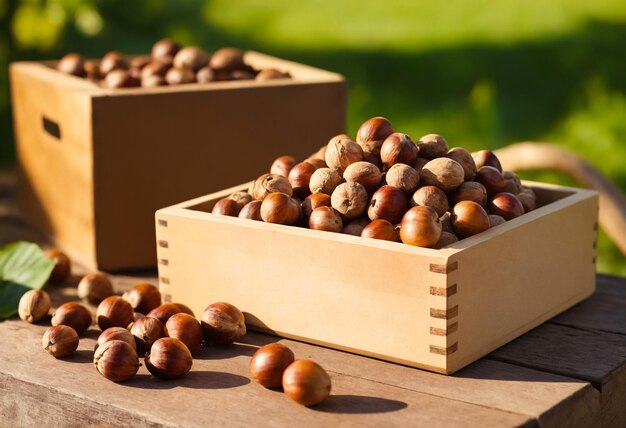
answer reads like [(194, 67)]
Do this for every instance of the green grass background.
[(484, 74)]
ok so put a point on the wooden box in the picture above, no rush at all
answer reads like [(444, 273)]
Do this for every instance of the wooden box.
[(95, 164), (434, 309)]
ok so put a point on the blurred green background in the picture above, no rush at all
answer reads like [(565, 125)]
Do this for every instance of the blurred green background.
[(484, 74)]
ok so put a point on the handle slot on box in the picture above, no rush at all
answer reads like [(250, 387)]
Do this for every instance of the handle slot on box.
[(51, 127)]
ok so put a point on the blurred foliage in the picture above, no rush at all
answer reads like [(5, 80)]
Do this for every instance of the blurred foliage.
[(484, 74)]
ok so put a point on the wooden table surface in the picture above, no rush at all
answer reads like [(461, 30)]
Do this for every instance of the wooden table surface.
[(569, 372)]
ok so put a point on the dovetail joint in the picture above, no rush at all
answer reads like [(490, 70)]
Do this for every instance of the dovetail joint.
[(445, 314), (443, 291), (162, 222), (436, 268), (164, 280), (163, 244), (444, 351), (164, 262)]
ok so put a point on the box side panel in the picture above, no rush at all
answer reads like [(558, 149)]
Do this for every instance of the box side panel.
[(159, 149), (337, 293), (513, 282), (53, 142)]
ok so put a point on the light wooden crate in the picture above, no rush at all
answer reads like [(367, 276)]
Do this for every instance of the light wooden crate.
[(434, 309), (95, 164)]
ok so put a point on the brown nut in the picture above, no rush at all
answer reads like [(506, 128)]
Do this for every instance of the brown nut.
[(34, 305), (355, 227), (60, 341), (372, 133), (281, 208), (495, 220), (506, 205), (270, 183), (312, 202), (325, 218), (271, 74), (94, 287), (299, 178), (206, 75), (364, 173), (251, 211), (282, 165), (116, 333), (164, 50), (116, 360), (222, 323), (512, 183), (381, 229), (73, 315), (153, 81), (306, 382), (528, 199), (469, 191), (62, 266), (146, 331), (185, 328), (72, 63), (350, 199), (446, 222), (192, 58), (403, 177), (398, 148), (419, 164), (491, 178), (325, 180), (169, 358), (421, 227), (154, 68), (164, 312), (431, 196), (226, 206), (242, 198), (227, 59), (469, 218), (432, 146), (113, 61), (269, 363), (444, 173), (114, 312), (143, 297), (241, 75), (446, 239), (180, 76), (486, 158), (341, 152), (120, 79), (388, 203), (92, 69), (465, 159)]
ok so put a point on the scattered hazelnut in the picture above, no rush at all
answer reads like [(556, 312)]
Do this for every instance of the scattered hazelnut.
[(469, 218), (60, 341), (192, 58), (227, 59), (143, 297), (94, 287), (431, 196), (185, 328), (506, 205), (299, 178), (444, 173), (350, 199), (269, 363), (251, 211), (486, 158), (465, 159), (114, 312), (33, 305), (325, 180), (325, 218), (116, 333), (62, 265), (146, 331), (372, 133), (116, 360), (281, 208), (306, 382), (72, 63), (469, 191), (363, 173), (169, 358), (432, 146), (282, 165), (341, 152), (381, 229), (270, 183), (421, 227), (222, 323), (314, 201), (164, 312), (72, 314), (403, 177), (398, 148), (388, 203)]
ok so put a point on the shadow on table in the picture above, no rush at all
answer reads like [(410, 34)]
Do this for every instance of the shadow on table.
[(222, 352), (355, 404), (81, 356), (200, 379)]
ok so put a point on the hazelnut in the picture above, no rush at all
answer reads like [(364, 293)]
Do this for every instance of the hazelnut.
[(432, 146), (403, 177), (120, 79), (251, 211), (446, 222), (139, 62), (72, 63), (154, 68), (512, 183), (421, 227), (314, 201), (431, 196), (113, 61), (469, 191), (116, 333), (60, 341), (179, 76), (269, 363), (350, 199), (469, 218), (242, 198), (446, 239), (146, 331), (271, 74), (94, 287), (191, 58), (325, 218), (282, 165), (306, 382), (495, 220), (486, 158), (185, 328), (372, 133), (206, 75), (419, 164), (325, 180), (33, 305), (317, 163), (185, 309), (281, 208), (388, 203), (116, 360), (164, 312), (114, 312), (528, 199), (374, 160), (153, 81), (506, 205), (491, 178), (465, 159), (299, 178), (73, 315), (169, 358), (164, 50), (222, 323), (62, 265), (381, 229), (226, 206), (398, 148), (241, 75), (363, 173), (444, 173), (227, 59), (355, 227), (270, 183), (92, 69), (342, 152), (143, 297)]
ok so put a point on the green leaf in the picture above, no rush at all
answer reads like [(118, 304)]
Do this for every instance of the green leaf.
[(23, 266)]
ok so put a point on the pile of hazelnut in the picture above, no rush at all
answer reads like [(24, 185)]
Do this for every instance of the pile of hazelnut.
[(386, 186), (166, 335), (168, 64)]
